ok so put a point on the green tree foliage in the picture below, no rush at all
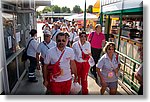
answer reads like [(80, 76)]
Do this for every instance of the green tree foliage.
[(56, 9), (65, 10), (77, 9), (38, 13), (89, 10), (47, 9)]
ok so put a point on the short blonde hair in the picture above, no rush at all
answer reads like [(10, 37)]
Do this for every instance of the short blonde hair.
[(108, 45)]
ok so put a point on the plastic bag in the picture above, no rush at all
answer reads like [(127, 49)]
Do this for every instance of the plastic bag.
[(75, 88), (91, 61)]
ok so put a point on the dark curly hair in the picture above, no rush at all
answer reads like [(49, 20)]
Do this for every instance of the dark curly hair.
[(33, 32)]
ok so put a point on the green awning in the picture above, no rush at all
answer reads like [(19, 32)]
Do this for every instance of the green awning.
[(126, 11), (112, 12), (133, 10)]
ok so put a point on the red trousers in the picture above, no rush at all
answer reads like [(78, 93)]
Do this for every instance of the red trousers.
[(60, 88), (82, 72)]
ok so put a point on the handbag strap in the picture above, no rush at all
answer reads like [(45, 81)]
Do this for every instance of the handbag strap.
[(73, 36), (28, 44), (112, 63), (45, 45), (117, 57), (60, 56), (80, 47), (54, 34), (91, 37)]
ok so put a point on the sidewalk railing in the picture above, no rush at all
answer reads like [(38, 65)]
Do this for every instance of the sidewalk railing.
[(128, 67)]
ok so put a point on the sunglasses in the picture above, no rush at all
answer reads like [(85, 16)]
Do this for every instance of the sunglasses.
[(83, 36), (47, 36), (61, 40), (110, 49)]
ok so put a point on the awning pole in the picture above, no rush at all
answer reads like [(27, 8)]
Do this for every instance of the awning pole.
[(85, 17)]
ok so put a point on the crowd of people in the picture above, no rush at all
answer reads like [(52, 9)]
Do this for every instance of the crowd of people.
[(66, 52)]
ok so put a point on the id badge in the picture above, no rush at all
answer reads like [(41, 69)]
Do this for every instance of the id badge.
[(110, 74)]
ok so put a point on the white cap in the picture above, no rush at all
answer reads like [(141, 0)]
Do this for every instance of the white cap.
[(47, 32), (46, 23), (72, 28), (63, 27)]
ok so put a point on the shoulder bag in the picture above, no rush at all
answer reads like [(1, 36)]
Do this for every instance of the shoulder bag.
[(24, 55), (54, 70)]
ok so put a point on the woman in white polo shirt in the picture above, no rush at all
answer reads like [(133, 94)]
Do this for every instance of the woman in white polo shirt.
[(109, 66), (31, 52), (82, 50)]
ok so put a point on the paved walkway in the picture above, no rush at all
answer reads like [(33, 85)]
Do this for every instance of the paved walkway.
[(28, 88)]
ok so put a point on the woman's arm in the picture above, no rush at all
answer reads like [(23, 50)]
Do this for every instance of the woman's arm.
[(103, 83), (138, 75), (139, 78)]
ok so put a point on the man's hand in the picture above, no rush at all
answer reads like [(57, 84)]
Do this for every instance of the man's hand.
[(76, 79), (45, 83), (38, 66)]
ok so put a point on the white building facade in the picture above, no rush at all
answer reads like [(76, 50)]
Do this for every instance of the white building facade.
[(17, 18)]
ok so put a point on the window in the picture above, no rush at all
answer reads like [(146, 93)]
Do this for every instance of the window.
[(9, 37), (14, 36)]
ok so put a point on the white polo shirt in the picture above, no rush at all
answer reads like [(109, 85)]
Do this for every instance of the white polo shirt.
[(53, 32), (73, 35), (76, 38), (42, 48), (53, 55), (86, 48), (106, 66), (31, 51)]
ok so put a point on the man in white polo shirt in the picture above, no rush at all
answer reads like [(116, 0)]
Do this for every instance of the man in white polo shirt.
[(31, 52), (73, 35), (55, 31), (62, 83), (43, 47)]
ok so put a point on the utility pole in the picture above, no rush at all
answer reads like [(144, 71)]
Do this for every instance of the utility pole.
[(85, 16)]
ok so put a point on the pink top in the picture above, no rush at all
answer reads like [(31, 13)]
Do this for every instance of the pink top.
[(97, 40)]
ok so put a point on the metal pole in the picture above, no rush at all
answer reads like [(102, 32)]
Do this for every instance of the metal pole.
[(120, 31), (85, 16), (101, 14), (108, 27), (3, 67)]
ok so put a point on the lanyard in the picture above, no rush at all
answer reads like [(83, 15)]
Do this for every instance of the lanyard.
[(45, 45), (111, 64)]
